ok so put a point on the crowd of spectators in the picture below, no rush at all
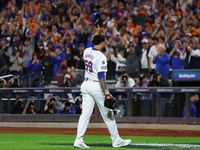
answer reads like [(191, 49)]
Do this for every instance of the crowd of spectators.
[(143, 36), (44, 40)]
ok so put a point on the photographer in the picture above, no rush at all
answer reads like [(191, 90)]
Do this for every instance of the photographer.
[(157, 80), (140, 99), (142, 81), (37, 82), (30, 108), (18, 107), (60, 75), (67, 108), (52, 105), (125, 81), (15, 83), (68, 82)]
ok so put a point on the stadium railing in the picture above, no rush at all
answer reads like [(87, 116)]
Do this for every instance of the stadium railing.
[(129, 101)]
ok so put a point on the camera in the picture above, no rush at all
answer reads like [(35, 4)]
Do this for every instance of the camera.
[(124, 77), (155, 75), (52, 99), (16, 79), (142, 76), (50, 106), (67, 83), (36, 80), (67, 106), (31, 104), (19, 103)]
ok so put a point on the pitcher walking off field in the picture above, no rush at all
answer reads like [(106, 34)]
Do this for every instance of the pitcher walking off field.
[(93, 91)]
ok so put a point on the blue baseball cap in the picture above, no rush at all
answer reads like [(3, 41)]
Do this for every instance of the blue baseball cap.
[(67, 45), (93, 16), (96, 19), (117, 39), (72, 29), (28, 32), (108, 35), (58, 47), (50, 43), (5, 39), (81, 44), (50, 96)]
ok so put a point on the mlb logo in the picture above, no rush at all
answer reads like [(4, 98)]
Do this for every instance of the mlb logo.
[(103, 67)]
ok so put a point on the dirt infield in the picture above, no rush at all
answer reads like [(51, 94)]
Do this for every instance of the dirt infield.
[(98, 131)]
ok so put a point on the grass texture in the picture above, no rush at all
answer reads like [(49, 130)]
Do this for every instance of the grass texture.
[(65, 142)]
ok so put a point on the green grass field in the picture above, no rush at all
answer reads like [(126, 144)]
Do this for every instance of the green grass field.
[(63, 142)]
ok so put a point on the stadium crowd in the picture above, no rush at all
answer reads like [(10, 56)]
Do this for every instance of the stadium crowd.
[(44, 40)]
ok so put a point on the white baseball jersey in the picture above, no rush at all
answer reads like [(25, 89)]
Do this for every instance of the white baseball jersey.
[(95, 61)]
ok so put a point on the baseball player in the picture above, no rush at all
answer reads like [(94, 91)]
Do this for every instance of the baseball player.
[(93, 91)]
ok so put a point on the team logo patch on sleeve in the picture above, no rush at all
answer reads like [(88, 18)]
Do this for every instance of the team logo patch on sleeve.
[(103, 67), (103, 62)]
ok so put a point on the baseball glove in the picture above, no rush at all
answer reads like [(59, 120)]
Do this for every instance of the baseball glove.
[(110, 101)]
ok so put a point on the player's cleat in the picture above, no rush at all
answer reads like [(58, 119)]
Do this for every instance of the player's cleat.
[(122, 143), (80, 145)]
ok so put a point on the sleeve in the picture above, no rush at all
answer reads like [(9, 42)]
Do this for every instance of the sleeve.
[(12, 58), (61, 111), (118, 84), (183, 56), (149, 54), (131, 82), (58, 61), (164, 60), (30, 65), (91, 44), (58, 104), (32, 40), (31, 51), (73, 110), (9, 52), (195, 53), (20, 60), (102, 64), (156, 59), (193, 111), (113, 58), (121, 59), (183, 113), (53, 61)]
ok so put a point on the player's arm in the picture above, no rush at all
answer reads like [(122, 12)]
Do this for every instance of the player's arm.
[(102, 81), (97, 30)]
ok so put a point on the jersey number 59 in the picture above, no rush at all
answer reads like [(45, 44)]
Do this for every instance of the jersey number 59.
[(88, 66)]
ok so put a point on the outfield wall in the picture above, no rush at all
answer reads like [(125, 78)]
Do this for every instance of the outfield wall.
[(96, 118), (102, 125)]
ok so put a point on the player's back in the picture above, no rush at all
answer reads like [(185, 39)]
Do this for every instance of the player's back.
[(95, 61)]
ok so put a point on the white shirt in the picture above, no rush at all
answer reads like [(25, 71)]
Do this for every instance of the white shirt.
[(95, 61), (144, 60), (131, 83), (195, 53), (152, 49), (120, 62)]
